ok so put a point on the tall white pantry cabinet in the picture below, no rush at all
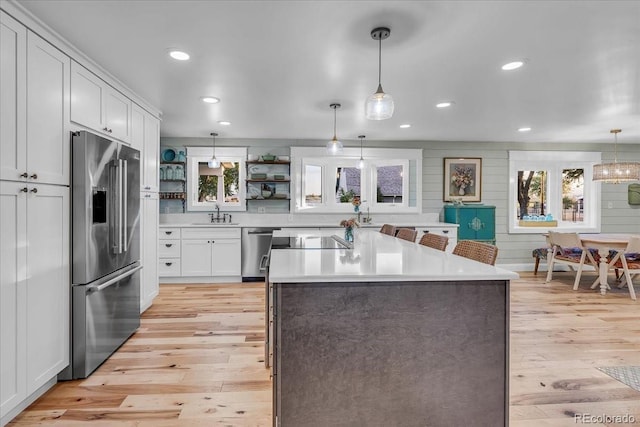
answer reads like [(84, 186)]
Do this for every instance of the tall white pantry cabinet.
[(39, 109), (34, 214)]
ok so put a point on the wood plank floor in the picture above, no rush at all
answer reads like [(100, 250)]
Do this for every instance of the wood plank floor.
[(197, 360)]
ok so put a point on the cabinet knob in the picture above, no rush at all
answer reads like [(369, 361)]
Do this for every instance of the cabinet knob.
[(34, 176), (34, 190), (106, 129), (110, 131), (24, 175), (24, 190)]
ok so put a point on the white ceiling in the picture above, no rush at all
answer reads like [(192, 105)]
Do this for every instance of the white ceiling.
[(277, 65)]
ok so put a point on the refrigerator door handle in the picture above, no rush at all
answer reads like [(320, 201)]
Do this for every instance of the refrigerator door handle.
[(108, 283), (124, 212), (114, 198), (120, 198)]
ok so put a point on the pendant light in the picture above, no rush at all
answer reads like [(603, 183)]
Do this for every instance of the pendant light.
[(379, 106), (213, 162), (616, 172), (334, 146), (361, 161)]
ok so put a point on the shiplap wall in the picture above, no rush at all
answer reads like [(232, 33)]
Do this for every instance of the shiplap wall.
[(515, 249)]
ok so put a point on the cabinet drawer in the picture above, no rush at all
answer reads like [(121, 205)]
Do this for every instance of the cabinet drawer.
[(168, 248), (210, 233), (169, 233), (169, 267)]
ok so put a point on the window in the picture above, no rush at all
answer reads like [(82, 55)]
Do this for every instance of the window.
[(390, 181), (222, 186), (559, 184)]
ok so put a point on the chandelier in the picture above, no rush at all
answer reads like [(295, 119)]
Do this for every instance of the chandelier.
[(616, 172)]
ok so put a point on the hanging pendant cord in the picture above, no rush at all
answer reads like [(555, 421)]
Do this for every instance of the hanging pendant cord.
[(380, 61), (334, 123)]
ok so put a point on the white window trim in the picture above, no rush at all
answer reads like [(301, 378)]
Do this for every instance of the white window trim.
[(223, 154), (301, 156), (554, 162)]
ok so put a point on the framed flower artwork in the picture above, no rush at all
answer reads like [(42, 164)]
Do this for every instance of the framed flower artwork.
[(462, 179)]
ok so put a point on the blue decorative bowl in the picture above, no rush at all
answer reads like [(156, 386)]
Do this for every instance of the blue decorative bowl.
[(169, 155)]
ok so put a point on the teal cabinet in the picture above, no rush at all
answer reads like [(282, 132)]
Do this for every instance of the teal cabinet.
[(477, 222)]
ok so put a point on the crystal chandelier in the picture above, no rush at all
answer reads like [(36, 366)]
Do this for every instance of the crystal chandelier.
[(616, 172)]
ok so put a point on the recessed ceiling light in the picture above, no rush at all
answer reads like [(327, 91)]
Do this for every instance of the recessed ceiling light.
[(444, 104), (524, 129), (224, 123), (210, 99), (179, 55), (513, 65)]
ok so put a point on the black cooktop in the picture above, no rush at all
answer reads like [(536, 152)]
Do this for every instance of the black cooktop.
[(307, 242)]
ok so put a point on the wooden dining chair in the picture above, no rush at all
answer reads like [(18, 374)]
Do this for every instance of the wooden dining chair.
[(434, 240), (407, 234), (567, 248), (388, 229), (629, 262), (477, 251)]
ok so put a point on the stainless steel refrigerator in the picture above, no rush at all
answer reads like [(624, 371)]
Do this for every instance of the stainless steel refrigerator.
[(105, 291)]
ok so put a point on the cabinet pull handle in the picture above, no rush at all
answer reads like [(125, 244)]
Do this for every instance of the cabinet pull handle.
[(445, 231), (147, 195), (169, 245), (168, 232), (24, 175), (34, 190), (110, 130), (24, 190), (106, 129), (34, 176), (168, 264)]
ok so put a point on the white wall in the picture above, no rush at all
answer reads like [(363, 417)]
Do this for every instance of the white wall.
[(515, 249)]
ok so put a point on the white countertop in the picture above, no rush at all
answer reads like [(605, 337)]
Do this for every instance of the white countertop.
[(311, 225), (375, 257)]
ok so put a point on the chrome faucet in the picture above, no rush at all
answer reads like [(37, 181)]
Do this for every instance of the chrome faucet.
[(367, 219), (216, 217)]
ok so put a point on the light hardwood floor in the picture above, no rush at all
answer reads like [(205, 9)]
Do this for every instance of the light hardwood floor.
[(197, 360)]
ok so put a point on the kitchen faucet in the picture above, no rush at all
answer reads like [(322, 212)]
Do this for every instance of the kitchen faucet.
[(217, 218)]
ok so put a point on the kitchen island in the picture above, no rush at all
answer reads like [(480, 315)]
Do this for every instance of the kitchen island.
[(387, 333)]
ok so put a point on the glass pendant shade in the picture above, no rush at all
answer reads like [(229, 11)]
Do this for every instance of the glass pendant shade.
[(616, 172), (213, 163), (361, 163), (379, 106), (334, 146)]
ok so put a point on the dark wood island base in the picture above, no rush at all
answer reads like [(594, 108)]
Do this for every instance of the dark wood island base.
[(395, 353)]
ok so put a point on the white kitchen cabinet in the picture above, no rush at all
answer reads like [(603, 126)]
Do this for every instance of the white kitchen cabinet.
[(98, 106), (149, 213), (145, 136), (196, 257), (34, 288), (202, 252), (34, 118)]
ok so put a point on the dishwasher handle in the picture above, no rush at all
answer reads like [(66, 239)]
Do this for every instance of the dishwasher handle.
[(260, 233), (263, 262)]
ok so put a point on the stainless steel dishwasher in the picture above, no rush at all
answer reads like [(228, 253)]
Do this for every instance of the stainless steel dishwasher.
[(256, 243)]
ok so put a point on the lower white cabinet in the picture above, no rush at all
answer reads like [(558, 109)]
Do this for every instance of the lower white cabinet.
[(199, 252), (34, 288), (149, 213)]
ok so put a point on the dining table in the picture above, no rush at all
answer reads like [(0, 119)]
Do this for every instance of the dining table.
[(604, 243)]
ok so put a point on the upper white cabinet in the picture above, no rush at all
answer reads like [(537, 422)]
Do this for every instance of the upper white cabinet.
[(98, 106), (34, 116), (145, 136)]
